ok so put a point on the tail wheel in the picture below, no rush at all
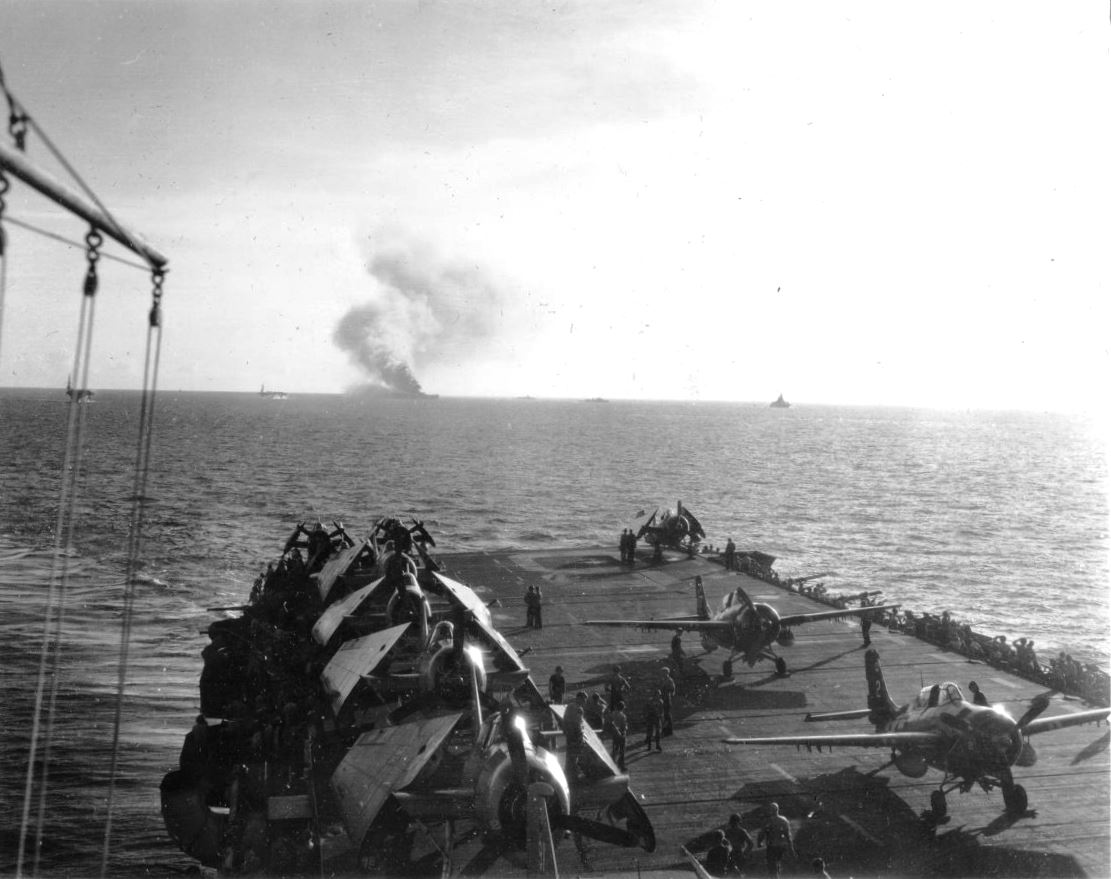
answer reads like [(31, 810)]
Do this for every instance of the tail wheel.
[(937, 804), (1014, 798), (780, 666)]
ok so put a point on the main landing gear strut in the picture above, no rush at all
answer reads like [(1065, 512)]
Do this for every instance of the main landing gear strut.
[(1015, 800)]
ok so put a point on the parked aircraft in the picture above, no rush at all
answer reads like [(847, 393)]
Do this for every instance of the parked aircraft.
[(743, 627), (475, 767), (671, 528), (970, 744)]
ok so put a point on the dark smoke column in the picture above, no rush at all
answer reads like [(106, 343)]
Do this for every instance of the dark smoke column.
[(366, 336)]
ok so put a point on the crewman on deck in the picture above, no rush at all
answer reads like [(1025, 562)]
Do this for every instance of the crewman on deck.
[(776, 835), (741, 841), (530, 607), (978, 698), (866, 620), (557, 686), (573, 733), (677, 652), (653, 712), (537, 617), (668, 691), (719, 855), (619, 727), (618, 686), (730, 555)]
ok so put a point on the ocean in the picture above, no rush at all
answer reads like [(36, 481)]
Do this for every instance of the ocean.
[(998, 517)]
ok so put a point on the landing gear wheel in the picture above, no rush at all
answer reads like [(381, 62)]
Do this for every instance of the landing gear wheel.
[(780, 666), (1014, 798), (938, 804), (727, 668)]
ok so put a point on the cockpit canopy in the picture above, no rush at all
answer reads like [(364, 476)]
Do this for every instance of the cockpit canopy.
[(938, 694)]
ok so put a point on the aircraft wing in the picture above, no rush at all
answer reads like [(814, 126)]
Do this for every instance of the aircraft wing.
[(800, 618), (465, 596), (356, 659), (382, 761), (1075, 718), (505, 658), (599, 764), (685, 624), (325, 627), (336, 567), (852, 740)]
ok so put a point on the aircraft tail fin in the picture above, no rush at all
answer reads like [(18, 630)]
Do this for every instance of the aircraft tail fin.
[(881, 707), (703, 606)]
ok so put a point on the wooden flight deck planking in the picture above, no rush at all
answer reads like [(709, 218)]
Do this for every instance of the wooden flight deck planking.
[(844, 806)]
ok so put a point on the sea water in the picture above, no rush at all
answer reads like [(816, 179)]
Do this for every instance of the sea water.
[(998, 517)]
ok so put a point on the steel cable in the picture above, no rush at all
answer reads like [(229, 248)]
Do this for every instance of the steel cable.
[(151, 362), (50, 654)]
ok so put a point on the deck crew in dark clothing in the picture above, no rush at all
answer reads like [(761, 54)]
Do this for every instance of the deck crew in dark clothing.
[(741, 841), (573, 732), (978, 698), (719, 856), (619, 727), (653, 713), (557, 686), (667, 694), (618, 686)]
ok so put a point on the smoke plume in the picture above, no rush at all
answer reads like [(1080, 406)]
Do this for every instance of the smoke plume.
[(424, 310)]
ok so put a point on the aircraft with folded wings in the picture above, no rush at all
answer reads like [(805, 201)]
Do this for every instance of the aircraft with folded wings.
[(670, 528), (477, 767), (745, 628), (405, 646), (970, 744)]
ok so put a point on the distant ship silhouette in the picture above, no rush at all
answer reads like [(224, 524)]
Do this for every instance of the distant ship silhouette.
[(272, 395), (82, 395), (780, 403)]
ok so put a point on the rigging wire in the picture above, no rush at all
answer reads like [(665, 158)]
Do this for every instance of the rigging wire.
[(46, 233), (151, 363), (50, 654), (54, 618), (19, 120), (5, 184)]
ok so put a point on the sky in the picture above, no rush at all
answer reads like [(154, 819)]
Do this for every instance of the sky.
[(846, 203)]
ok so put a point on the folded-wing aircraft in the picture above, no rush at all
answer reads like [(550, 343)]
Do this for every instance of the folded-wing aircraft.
[(970, 744), (444, 770), (743, 627), (671, 528)]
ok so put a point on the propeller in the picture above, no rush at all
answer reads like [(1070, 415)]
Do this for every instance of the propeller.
[(342, 533), (1037, 705), (745, 599), (289, 544), (418, 528), (598, 830)]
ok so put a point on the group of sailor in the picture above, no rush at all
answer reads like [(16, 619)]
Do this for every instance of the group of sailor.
[(1018, 656)]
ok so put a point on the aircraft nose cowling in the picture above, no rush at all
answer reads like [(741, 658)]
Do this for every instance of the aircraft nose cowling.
[(502, 799), (449, 676)]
